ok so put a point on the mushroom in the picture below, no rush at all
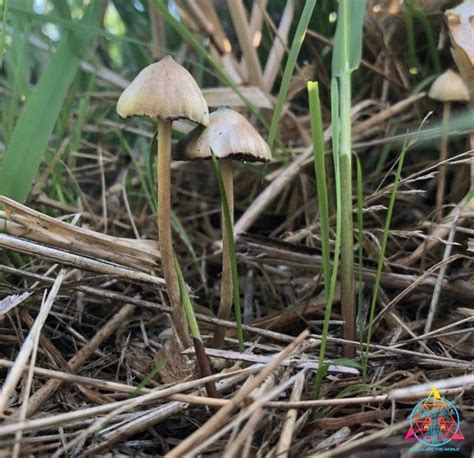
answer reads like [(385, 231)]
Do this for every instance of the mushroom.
[(460, 21), (448, 87), (229, 136), (166, 91)]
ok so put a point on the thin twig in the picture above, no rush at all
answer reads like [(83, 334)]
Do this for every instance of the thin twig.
[(25, 351)]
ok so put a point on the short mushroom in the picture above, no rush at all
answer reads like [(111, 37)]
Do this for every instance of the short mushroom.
[(166, 91), (448, 87), (229, 136)]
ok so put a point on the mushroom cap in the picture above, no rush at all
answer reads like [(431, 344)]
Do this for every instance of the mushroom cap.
[(449, 87), (164, 90), (229, 135), (460, 21)]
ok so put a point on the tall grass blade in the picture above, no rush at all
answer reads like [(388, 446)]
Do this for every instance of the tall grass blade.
[(381, 259), (187, 303), (322, 192), (233, 259), (412, 13), (3, 30), (348, 40), (360, 232), (290, 65), (410, 33), (201, 356), (17, 70), (346, 58), (29, 141), (320, 174)]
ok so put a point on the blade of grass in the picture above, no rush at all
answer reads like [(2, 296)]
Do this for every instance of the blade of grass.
[(348, 40), (337, 246), (78, 28), (346, 58), (3, 31), (17, 71), (381, 259), (320, 174), (201, 357), (413, 63), (322, 192), (289, 67), (187, 303), (415, 13), (30, 138), (233, 259), (360, 231), (150, 376)]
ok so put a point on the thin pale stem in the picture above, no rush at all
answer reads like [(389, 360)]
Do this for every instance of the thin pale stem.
[(164, 231), (471, 135), (347, 241), (226, 280), (443, 154)]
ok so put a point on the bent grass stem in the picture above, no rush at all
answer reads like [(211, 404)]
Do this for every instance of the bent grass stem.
[(226, 280)]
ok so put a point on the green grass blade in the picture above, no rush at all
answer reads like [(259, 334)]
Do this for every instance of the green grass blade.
[(80, 28), (433, 52), (290, 65), (150, 376), (360, 231), (187, 303), (322, 192), (200, 351), (412, 13), (320, 174), (29, 141), (335, 129), (410, 33), (3, 31), (346, 58), (321, 373), (233, 259), (348, 40), (17, 70), (381, 259)]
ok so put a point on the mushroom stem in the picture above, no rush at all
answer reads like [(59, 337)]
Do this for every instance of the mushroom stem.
[(443, 154), (471, 143), (226, 280), (164, 231)]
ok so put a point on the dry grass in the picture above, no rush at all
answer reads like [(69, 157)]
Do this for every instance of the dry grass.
[(89, 362)]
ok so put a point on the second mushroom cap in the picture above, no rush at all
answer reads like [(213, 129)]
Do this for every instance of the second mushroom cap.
[(229, 135)]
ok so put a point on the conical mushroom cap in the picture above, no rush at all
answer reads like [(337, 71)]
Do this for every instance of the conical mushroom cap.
[(164, 90), (449, 87), (229, 135)]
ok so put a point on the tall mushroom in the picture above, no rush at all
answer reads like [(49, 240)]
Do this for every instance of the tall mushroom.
[(229, 136), (448, 87), (460, 21), (166, 91)]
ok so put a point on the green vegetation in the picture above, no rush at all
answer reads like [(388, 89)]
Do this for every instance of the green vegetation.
[(345, 233)]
